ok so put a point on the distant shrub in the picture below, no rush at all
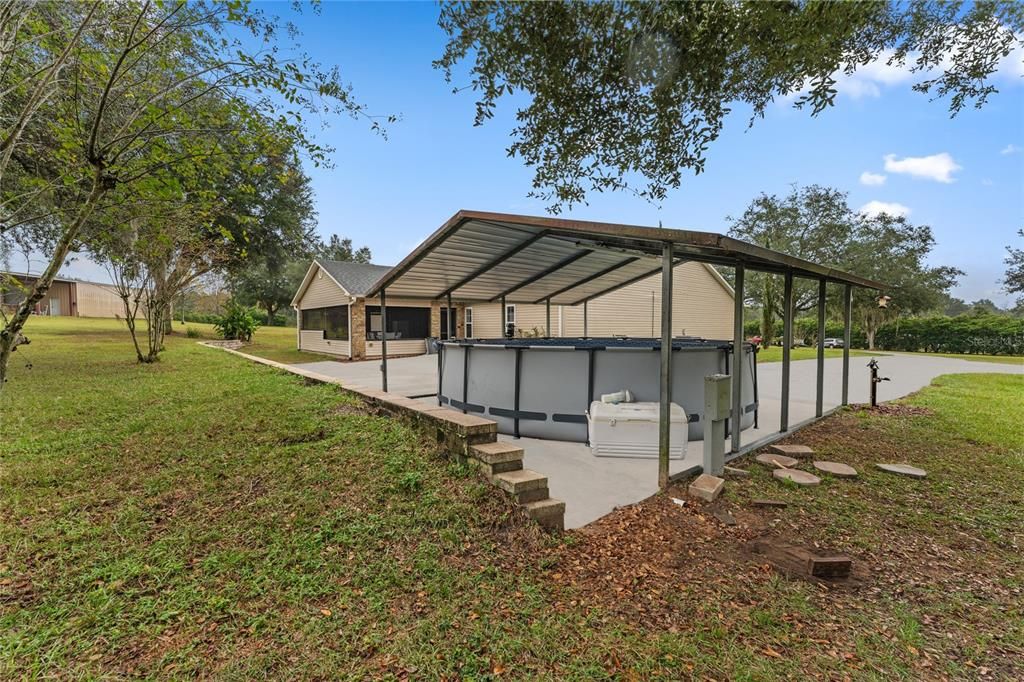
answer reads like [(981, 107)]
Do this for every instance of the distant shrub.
[(238, 322), (193, 333), (984, 334)]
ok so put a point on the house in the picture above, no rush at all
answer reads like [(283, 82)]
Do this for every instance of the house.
[(335, 317), (65, 298)]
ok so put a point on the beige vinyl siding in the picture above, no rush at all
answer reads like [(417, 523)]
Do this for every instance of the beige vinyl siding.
[(701, 306), (322, 292), (397, 347), (96, 300), (313, 340)]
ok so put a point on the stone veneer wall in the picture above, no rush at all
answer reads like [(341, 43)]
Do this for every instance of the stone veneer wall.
[(357, 334)]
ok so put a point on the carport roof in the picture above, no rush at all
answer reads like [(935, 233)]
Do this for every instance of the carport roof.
[(481, 256)]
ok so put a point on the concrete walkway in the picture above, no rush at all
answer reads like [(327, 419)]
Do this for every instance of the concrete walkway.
[(593, 486)]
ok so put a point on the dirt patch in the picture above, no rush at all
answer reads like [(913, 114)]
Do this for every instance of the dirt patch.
[(895, 410)]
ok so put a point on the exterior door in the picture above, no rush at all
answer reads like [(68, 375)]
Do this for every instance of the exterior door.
[(444, 322), (54, 306)]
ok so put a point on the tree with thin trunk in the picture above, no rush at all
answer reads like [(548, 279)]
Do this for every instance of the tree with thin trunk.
[(106, 97)]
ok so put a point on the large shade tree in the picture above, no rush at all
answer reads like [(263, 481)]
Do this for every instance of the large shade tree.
[(630, 95), (1014, 280), (814, 223)]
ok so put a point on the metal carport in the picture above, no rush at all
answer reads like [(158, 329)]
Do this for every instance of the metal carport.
[(485, 257)]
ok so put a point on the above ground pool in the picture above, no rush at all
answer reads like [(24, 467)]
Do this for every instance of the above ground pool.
[(542, 388)]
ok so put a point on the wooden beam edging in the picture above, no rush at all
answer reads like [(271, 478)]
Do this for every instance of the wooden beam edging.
[(455, 432)]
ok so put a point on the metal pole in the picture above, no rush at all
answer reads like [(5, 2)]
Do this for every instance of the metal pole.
[(819, 399), (504, 319), (547, 324), (448, 316), (737, 359), (384, 339), (584, 319), (787, 345), (665, 409), (847, 321)]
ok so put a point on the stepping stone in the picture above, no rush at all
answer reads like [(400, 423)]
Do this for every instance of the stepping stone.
[(837, 469), (777, 461), (738, 473), (796, 476), (706, 487), (725, 517), (798, 451), (770, 503), (903, 470)]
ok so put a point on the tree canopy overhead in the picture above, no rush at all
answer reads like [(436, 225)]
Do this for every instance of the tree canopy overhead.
[(629, 95)]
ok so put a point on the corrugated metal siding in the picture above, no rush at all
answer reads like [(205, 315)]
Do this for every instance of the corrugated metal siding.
[(61, 291), (94, 300), (322, 292), (313, 340)]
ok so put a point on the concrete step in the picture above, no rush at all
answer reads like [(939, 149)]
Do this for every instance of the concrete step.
[(516, 482), (549, 513), (492, 453), (534, 495), (492, 470)]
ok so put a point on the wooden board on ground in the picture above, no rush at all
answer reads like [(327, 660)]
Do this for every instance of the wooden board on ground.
[(804, 562)]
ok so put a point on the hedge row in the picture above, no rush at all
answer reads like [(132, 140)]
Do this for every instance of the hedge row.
[(214, 318), (976, 334)]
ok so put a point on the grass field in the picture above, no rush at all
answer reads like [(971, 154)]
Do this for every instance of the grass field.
[(204, 516), (774, 353)]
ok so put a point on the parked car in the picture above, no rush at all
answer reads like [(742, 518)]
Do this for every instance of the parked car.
[(833, 343)]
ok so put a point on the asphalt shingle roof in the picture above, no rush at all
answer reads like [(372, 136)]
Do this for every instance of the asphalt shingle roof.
[(357, 278)]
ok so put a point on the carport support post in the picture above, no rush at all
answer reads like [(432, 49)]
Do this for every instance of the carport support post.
[(451, 322), (384, 340), (584, 319), (504, 319), (665, 409), (547, 323), (819, 399), (736, 422), (847, 320), (787, 345)]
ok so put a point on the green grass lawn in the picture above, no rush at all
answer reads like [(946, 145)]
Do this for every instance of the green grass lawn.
[(205, 516), (1002, 359), (774, 353)]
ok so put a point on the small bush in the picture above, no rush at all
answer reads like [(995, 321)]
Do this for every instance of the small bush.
[(238, 322), (193, 333)]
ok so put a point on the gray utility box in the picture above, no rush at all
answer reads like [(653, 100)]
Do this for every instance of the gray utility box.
[(717, 397)]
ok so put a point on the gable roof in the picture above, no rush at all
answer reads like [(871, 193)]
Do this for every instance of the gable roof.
[(355, 278)]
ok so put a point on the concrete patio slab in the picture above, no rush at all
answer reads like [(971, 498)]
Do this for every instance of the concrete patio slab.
[(593, 486)]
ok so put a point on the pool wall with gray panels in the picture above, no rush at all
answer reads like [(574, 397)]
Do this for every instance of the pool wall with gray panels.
[(542, 388)]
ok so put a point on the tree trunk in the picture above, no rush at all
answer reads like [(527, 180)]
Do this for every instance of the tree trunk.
[(11, 336), (767, 316)]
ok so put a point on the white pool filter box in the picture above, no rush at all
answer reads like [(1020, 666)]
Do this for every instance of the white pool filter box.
[(631, 430)]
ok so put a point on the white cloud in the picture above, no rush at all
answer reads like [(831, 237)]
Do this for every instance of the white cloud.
[(1009, 149), (874, 208), (987, 182), (871, 79), (937, 167), (872, 179)]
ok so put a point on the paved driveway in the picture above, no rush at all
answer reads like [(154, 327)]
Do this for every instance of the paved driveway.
[(593, 486)]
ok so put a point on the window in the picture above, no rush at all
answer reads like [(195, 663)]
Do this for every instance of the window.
[(510, 320), (469, 323), (333, 322), (403, 323)]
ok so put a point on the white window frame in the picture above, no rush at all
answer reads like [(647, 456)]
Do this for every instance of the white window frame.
[(467, 322), (510, 307)]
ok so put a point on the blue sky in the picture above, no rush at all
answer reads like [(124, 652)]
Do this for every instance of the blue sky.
[(962, 176)]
